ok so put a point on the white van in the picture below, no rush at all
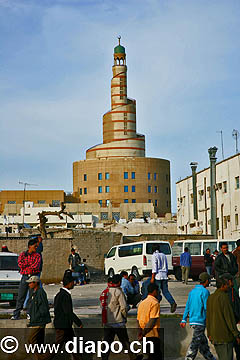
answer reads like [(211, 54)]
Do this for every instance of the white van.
[(135, 258), (9, 277)]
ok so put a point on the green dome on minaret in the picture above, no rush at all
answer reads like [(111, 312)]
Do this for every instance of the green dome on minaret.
[(119, 49)]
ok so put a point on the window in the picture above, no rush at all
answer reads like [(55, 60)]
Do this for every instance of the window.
[(41, 201), (9, 263), (194, 248), (126, 201), (107, 176), (177, 249), (209, 245), (100, 189), (125, 188), (167, 203), (131, 215), (237, 182), (133, 201), (133, 188), (125, 175), (130, 250), (167, 190), (224, 186), (107, 189), (156, 203), (165, 248), (155, 189), (231, 245), (149, 176), (107, 202), (111, 253), (11, 202), (166, 177), (149, 201), (99, 176), (236, 221), (133, 175), (85, 190), (85, 202), (225, 222), (149, 188), (155, 176), (116, 216), (100, 202), (104, 216), (80, 191), (55, 203), (85, 177)]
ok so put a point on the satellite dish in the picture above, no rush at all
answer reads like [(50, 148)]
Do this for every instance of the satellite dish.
[(235, 135)]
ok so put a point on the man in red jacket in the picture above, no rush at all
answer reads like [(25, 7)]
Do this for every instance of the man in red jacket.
[(29, 262)]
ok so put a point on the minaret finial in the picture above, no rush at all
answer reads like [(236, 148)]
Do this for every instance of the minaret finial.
[(119, 38)]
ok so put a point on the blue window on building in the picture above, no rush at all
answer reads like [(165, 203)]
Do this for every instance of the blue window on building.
[(85, 177), (133, 188), (99, 176), (126, 201), (155, 189), (85, 190), (100, 202), (133, 175), (80, 191), (149, 200), (133, 201), (100, 189), (107, 189), (125, 188), (149, 176), (156, 203), (125, 175), (56, 203), (155, 176), (149, 188), (107, 202), (107, 176)]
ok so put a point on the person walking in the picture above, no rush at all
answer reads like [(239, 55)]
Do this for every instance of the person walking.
[(38, 311), (225, 262), (148, 318), (29, 263), (235, 302), (64, 317), (221, 325), (160, 275), (74, 259), (185, 263), (195, 309), (114, 316)]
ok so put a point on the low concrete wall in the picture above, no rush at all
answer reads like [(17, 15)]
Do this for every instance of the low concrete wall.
[(176, 339)]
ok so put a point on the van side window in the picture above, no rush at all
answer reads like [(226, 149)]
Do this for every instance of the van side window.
[(130, 250), (231, 245), (9, 263), (194, 248), (209, 245), (165, 248), (111, 253), (177, 249)]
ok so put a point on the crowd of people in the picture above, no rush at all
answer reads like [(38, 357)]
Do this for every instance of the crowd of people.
[(219, 312)]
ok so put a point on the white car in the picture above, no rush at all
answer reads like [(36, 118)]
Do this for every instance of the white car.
[(135, 258), (9, 277)]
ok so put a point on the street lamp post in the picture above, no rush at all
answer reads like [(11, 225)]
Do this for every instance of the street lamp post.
[(212, 157)]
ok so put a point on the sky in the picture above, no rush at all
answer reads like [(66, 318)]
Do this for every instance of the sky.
[(56, 56)]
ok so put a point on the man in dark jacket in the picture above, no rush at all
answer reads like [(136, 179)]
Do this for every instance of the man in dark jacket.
[(74, 259), (38, 311), (225, 262)]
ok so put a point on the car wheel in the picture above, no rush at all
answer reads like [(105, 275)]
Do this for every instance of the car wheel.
[(110, 272), (136, 273), (12, 303), (178, 274)]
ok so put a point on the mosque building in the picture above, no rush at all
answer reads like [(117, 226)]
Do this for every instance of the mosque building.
[(117, 171)]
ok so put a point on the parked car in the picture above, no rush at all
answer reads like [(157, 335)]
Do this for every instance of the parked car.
[(135, 258), (197, 249), (9, 277)]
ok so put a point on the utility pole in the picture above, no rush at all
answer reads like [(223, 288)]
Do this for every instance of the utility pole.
[(212, 157), (25, 184)]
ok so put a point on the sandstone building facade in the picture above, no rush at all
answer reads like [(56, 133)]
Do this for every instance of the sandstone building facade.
[(117, 170)]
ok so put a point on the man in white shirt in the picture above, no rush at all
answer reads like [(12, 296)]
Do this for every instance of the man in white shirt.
[(160, 275)]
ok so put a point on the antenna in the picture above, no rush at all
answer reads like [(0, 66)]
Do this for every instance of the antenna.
[(25, 184), (221, 134), (235, 135)]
